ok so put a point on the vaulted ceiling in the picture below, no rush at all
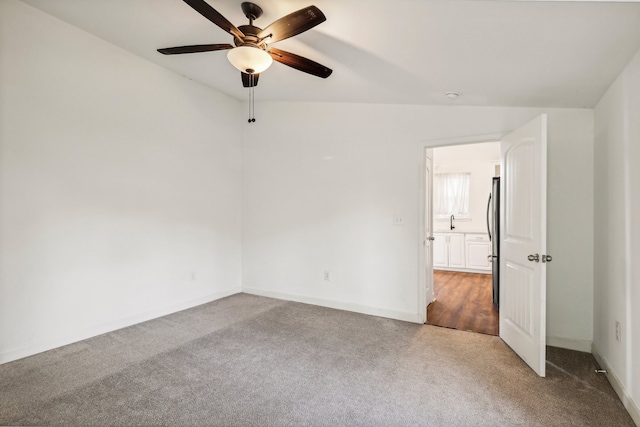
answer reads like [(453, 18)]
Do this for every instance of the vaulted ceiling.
[(497, 53)]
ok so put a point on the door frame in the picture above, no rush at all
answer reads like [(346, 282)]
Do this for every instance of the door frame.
[(422, 252)]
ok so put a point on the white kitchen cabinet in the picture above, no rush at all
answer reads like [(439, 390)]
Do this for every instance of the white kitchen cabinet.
[(440, 250), (448, 250), (461, 252), (456, 251), (478, 249)]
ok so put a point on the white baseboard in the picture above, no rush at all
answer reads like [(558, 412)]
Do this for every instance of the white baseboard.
[(50, 344), (570, 344), (627, 401), (357, 308)]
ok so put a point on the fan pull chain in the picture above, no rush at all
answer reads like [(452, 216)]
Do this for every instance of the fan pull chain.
[(252, 99)]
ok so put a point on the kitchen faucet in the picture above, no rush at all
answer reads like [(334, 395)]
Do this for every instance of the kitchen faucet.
[(452, 218)]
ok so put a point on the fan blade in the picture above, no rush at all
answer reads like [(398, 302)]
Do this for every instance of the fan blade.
[(250, 80), (300, 63), (194, 49), (204, 9), (293, 24)]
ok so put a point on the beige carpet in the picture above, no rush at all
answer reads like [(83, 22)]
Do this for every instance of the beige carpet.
[(253, 361)]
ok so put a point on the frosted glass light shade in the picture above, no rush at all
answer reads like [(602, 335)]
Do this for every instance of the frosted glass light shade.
[(249, 59)]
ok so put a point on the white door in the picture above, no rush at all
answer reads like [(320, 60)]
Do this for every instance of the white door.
[(523, 242), (428, 227)]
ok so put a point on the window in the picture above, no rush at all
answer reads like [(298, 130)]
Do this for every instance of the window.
[(451, 195)]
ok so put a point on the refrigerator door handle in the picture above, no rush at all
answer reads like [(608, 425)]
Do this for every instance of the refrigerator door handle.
[(488, 209)]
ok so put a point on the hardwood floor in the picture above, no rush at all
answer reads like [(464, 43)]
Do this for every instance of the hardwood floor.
[(463, 301)]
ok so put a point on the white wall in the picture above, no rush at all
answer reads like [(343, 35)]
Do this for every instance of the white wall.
[(119, 180), (617, 233), (322, 183), (478, 160)]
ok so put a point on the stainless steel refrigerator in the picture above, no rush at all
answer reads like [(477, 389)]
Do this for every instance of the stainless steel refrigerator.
[(493, 228)]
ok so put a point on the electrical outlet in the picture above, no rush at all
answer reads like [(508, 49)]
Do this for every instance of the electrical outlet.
[(398, 220), (327, 276), (618, 332)]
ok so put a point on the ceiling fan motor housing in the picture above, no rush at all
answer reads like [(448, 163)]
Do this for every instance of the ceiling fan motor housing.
[(251, 37)]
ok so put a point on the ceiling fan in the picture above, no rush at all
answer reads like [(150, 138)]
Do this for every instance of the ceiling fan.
[(252, 53)]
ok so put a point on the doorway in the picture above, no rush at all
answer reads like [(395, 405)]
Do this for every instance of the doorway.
[(461, 199), (522, 262)]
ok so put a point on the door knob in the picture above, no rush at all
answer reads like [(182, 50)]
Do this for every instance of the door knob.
[(535, 258), (546, 258), (490, 258), (431, 238)]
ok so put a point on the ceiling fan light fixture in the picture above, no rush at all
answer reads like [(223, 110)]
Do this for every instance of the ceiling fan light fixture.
[(249, 59)]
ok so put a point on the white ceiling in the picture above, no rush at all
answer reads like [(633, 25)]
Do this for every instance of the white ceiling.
[(498, 53)]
